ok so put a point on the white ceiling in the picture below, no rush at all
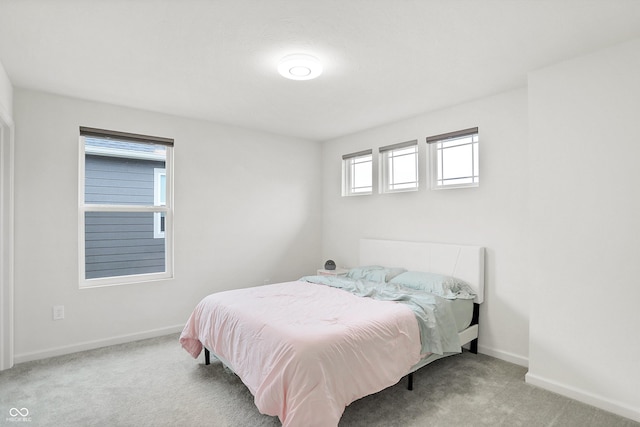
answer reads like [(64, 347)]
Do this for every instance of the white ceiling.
[(384, 60)]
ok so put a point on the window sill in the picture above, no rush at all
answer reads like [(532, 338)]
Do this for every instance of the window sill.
[(453, 186), (124, 280)]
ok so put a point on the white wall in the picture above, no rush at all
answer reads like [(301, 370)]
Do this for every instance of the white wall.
[(246, 210), (6, 94), (491, 215), (585, 225), (6, 220)]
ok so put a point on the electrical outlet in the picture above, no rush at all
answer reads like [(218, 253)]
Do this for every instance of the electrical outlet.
[(58, 312)]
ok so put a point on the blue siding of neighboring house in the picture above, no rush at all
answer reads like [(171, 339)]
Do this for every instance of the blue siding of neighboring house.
[(120, 243)]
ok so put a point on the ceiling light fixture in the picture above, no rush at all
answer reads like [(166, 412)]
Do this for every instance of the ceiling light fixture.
[(300, 67)]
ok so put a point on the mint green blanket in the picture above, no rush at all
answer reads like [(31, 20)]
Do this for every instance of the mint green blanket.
[(438, 331)]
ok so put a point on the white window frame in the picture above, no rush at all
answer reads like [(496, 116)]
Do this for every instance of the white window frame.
[(349, 162), (83, 208), (388, 155), (438, 143), (158, 173)]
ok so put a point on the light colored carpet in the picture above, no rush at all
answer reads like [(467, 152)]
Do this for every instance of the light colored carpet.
[(156, 383)]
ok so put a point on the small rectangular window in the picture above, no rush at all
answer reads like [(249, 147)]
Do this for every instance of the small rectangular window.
[(399, 167), (125, 208), (357, 173), (455, 159)]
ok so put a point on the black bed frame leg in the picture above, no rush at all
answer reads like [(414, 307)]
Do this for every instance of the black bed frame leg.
[(410, 382), (473, 345), (207, 356)]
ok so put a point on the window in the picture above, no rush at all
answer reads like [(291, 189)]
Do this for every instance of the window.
[(125, 207), (454, 159), (399, 167), (357, 169)]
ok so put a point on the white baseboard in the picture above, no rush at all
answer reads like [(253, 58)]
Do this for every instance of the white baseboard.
[(583, 396), (504, 355), (90, 345)]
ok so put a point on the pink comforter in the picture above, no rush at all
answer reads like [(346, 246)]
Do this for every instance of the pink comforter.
[(306, 351)]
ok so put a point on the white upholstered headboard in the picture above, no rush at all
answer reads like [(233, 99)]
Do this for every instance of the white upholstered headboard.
[(461, 261)]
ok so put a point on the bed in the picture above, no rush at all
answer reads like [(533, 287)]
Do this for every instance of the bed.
[(306, 349)]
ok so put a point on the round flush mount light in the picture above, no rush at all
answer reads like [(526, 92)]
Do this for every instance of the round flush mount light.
[(300, 67)]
